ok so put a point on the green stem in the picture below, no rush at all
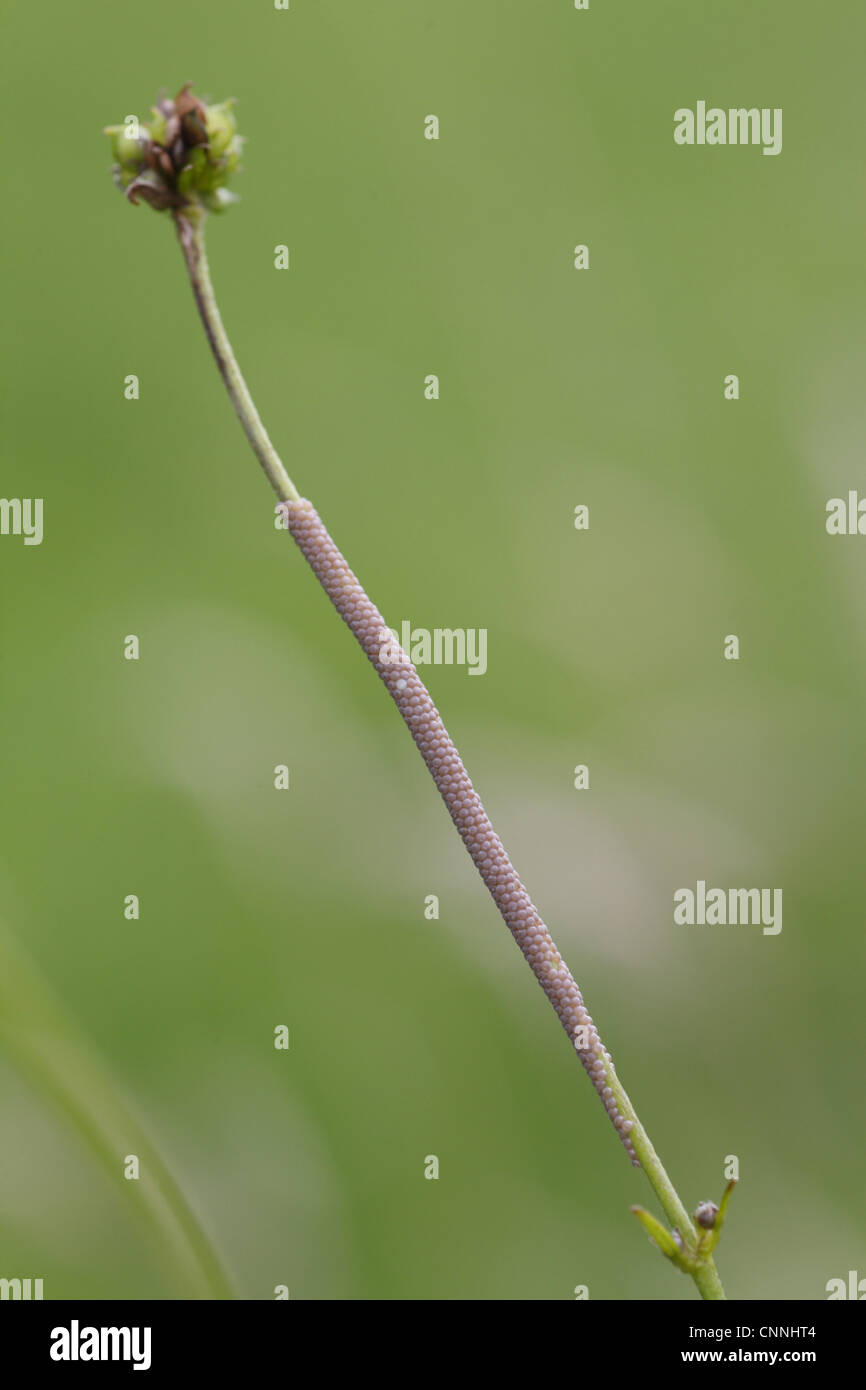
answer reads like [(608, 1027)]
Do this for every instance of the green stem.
[(669, 1198), (705, 1275), (47, 1048), (190, 230), (190, 227), (709, 1285)]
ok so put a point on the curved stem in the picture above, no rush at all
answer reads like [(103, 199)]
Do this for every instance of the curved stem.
[(705, 1275), (438, 750), (47, 1048), (190, 230), (652, 1165)]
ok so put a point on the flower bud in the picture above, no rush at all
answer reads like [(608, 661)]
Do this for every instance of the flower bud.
[(183, 156), (705, 1215)]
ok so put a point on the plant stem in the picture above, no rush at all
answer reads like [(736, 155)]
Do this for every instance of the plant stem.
[(441, 756), (706, 1276), (190, 230), (47, 1048)]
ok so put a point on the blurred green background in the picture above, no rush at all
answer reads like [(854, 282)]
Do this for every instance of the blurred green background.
[(605, 387)]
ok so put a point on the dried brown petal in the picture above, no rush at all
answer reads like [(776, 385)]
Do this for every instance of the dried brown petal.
[(185, 102), (152, 189)]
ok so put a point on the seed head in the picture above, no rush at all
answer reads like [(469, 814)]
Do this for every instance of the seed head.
[(181, 158)]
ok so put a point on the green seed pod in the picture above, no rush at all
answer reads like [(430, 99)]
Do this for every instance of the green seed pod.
[(157, 125), (233, 154), (128, 153), (193, 176), (221, 127)]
